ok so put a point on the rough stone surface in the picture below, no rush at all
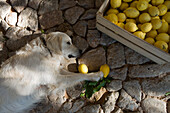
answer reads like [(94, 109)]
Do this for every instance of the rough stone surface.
[(1, 45), (133, 88), (5, 8), (109, 105), (89, 14), (115, 55), (149, 70), (90, 109), (80, 43), (19, 5), (34, 4), (28, 18), (126, 102), (168, 104), (114, 85), (106, 40), (64, 4), (98, 3), (47, 6), (93, 38), (66, 107), (73, 14), (3, 54), (16, 33), (98, 95), (133, 57), (11, 18), (80, 28), (153, 105), (74, 92), (119, 74), (92, 24), (77, 105), (93, 59), (86, 3), (117, 110), (156, 87), (4, 25), (51, 19)]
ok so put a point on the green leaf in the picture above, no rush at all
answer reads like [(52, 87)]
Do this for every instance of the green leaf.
[(82, 94), (42, 31), (89, 91), (167, 94), (93, 83)]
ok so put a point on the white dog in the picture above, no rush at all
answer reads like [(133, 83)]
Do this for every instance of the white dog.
[(27, 77)]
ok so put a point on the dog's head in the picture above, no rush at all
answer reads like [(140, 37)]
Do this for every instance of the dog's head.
[(60, 43)]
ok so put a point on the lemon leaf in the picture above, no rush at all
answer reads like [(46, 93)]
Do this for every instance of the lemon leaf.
[(167, 94)]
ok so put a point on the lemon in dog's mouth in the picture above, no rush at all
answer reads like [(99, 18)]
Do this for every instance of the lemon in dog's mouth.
[(83, 68)]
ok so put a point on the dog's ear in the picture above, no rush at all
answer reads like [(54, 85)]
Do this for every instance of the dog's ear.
[(54, 43)]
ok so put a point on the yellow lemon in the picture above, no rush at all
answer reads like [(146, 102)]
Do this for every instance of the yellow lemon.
[(161, 45), (157, 2), (127, 0), (121, 17), (162, 9), (156, 23), (164, 28), (169, 45), (150, 40), (167, 3), (131, 12), (167, 17), (131, 27), (112, 11), (140, 34), (169, 30), (146, 27), (142, 5), (112, 18), (148, 1), (124, 6), (120, 24), (163, 37), (152, 34), (83, 68), (134, 4), (115, 3), (131, 20), (153, 11), (105, 69), (144, 17), (155, 17)]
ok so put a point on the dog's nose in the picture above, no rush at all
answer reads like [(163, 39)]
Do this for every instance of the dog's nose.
[(80, 51)]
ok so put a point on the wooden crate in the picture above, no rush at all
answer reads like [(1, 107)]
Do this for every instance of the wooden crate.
[(128, 39)]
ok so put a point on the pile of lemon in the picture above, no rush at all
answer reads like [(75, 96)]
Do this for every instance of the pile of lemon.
[(146, 19)]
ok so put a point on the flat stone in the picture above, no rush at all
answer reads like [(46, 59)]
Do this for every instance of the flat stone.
[(1, 45), (115, 55), (106, 40), (126, 102), (92, 24), (153, 105), (168, 104), (74, 92), (119, 74), (80, 43), (117, 110), (3, 54), (73, 68), (47, 6), (4, 25), (5, 8), (114, 85), (98, 95), (19, 5), (93, 38), (51, 19), (34, 4), (80, 28), (156, 87), (133, 88), (133, 57), (93, 59), (89, 14), (90, 109), (78, 104), (28, 18), (16, 33), (11, 18), (98, 3), (66, 107), (86, 3), (73, 14), (149, 70), (109, 105), (64, 4)]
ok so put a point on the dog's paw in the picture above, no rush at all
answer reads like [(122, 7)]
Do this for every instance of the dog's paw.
[(97, 76)]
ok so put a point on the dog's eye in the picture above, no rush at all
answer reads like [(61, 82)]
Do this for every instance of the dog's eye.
[(68, 43)]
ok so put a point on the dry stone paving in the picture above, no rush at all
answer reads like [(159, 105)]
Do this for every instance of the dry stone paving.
[(138, 84)]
